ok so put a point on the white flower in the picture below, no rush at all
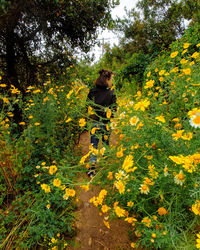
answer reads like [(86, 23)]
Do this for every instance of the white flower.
[(195, 120), (179, 178)]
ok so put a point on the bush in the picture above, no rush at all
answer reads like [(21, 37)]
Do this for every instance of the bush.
[(41, 163), (153, 183)]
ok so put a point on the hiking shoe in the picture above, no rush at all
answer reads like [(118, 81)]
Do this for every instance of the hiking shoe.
[(91, 173)]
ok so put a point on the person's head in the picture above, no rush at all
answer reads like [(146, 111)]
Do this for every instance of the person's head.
[(105, 78)]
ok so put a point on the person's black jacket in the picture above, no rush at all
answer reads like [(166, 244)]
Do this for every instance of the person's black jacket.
[(99, 98)]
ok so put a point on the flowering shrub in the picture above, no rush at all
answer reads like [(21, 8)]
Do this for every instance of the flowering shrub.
[(151, 177), (41, 164)]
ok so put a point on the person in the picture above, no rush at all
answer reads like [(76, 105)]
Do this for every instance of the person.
[(100, 98)]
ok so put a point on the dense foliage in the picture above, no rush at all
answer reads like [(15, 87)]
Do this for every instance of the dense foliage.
[(37, 165), (150, 178)]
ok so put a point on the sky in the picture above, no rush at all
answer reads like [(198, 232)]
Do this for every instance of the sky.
[(108, 36)]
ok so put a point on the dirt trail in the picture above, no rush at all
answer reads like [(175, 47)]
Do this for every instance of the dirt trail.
[(92, 234)]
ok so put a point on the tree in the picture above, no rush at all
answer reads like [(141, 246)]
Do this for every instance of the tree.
[(42, 32), (191, 10), (153, 25)]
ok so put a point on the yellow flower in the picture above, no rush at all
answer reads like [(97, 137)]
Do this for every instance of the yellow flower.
[(69, 94), (110, 176), (149, 73), (130, 204), (68, 120), (52, 169), (108, 113), (134, 120), (120, 153), (176, 120), (90, 111), (183, 61), (65, 197), (196, 207), (130, 219), (94, 130), (140, 125), (46, 99), (36, 91), (161, 79), (46, 188), (102, 150), (82, 161), (70, 192), (174, 70), (148, 181), (184, 51), (160, 118), (56, 182), (195, 55), (128, 163), (105, 208), (106, 223), (162, 211), (22, 123), (187, 136), (3, 85), (198, 241), (119, 211), (146, 221), (186, 45), (85, 187), (107, 127), (103, 193), (187, 71), (105, 137), (37, 123), (142, 105), (149, 84), (144, 189), (10, 114), (120, 186), (174, 54), (177, 159), (5, 100), (153, 235), (162, 72), (14, 90), (177, 126), (82, 122), (133, 245), (48, 206), (178, 134)]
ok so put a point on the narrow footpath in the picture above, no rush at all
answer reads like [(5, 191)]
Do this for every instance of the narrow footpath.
[(92, 234)]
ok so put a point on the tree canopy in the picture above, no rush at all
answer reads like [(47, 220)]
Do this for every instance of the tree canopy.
[(41, 32), (154, 25)]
